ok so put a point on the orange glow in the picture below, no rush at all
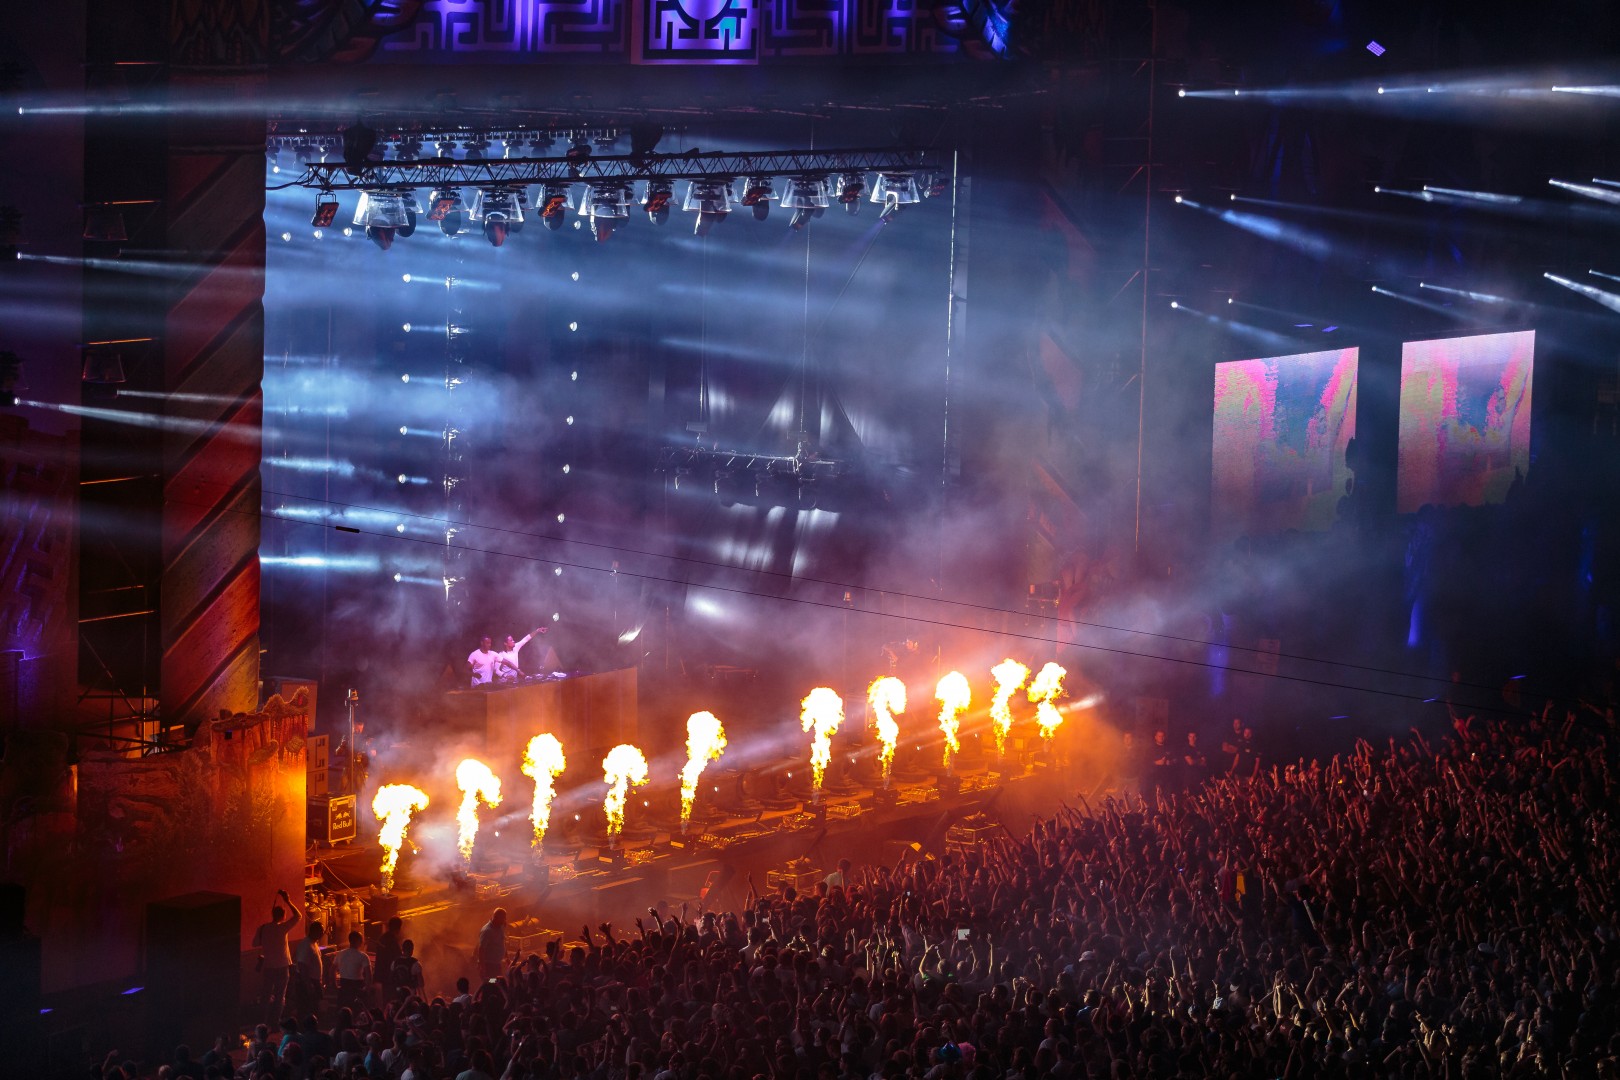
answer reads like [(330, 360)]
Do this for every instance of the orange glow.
[(624, 765)]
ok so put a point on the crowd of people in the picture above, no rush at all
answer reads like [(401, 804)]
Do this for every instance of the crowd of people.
[(1407, 910)]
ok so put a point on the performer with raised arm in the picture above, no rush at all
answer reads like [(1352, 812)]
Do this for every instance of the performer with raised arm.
[(507, 667)]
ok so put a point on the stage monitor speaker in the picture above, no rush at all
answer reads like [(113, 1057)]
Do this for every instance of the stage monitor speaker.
[(193, 968)]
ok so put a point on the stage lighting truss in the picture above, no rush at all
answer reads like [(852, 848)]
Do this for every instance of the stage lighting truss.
[(754, 479), (809, 182)]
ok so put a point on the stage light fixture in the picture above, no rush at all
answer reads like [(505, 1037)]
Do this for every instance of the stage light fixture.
[(851, 186), (807, 197), (607, 206), (497, 211), (711, 200), (554, 204), (286, 237), (894, 192), (380, 208), (475, 148), (326, 208), (656, 200), (104, 222), (758, 194), (102, 372)]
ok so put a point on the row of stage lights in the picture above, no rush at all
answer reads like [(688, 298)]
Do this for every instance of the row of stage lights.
[(386, 214)]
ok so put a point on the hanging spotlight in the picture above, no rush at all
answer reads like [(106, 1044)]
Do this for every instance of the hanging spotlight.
[(525, 208), (553, 204), (579, 150), (712, 200), (497, 209), (102, 373), (607, 206), (445, 147), (447, 208), (759, 194), (380, 213), (851, 186), (807, 197), (326, 208), (938, 184), (475, 148), (895, 191), (409, 148), (413, 211), (656, 201), (539, 143), (105, 222)]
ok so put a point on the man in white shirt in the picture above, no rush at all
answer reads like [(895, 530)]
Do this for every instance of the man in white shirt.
[(507, 668), (482, 662), (353, 971), (275, 956)]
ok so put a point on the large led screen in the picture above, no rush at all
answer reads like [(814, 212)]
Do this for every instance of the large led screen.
[(1281, 427), (1465, 419)]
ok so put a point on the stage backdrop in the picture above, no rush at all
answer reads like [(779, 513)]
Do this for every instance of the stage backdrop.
[(1465, 419), (1282, 424)]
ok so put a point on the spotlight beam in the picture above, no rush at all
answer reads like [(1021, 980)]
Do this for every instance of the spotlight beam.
[(1483, 298), (1607, 299), (1591, 191), (1426, 305)]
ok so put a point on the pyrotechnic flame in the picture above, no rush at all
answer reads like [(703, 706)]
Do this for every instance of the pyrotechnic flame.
[(477, 784), (1047, 688), (954, 695), (705, 742), (821, 711), (543, 762), (1010, 676), (394, 804), (885, 697), (623, 766)]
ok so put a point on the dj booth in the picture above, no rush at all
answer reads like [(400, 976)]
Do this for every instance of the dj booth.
[(589, 714)]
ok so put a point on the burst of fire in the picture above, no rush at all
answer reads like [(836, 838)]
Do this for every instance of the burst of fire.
[(394, 804), (1046, 689), (821, 711), (954, 695), (623, 766), (543, 762), (1010, 676), (885, 697), (478, 785), (705, 742)]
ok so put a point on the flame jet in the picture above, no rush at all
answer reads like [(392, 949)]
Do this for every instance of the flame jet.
[(1010, 676), (885, 697), (821, 711), (955, 695), (543, 762), (478, 785), (624, 765), (1046, 689), (705, 742), (394, 804)]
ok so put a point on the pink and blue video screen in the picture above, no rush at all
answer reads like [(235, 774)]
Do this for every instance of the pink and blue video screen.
[(1282, 424), (1465, 419)]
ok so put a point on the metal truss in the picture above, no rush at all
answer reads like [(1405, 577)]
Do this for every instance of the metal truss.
[(622, 168)]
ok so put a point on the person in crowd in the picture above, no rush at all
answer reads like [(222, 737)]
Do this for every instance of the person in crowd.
[(491, 949), (275, 955), (1410, 911), (308, 969), (353, 972)]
